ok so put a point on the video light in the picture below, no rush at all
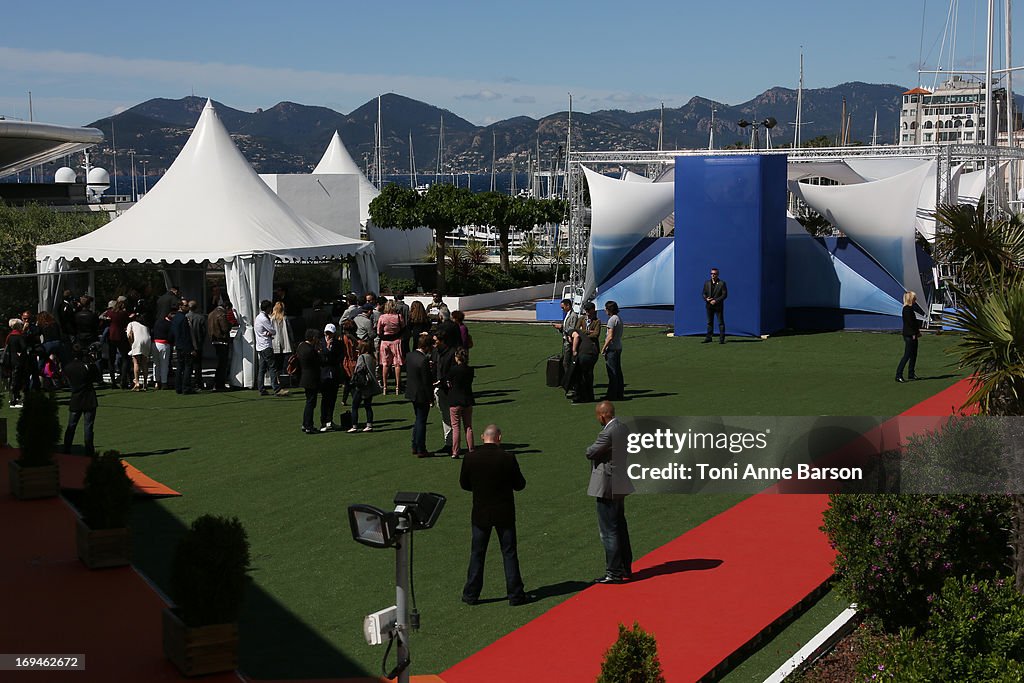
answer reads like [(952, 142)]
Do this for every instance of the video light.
[(423, 509), (372, 526)]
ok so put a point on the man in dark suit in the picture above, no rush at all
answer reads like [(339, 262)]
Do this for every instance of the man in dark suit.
[(168, 301), (309, 376), (420, 390), (441, 361), (81, 377), (714, 294), (609, 484), (493, 475), (184, 349)]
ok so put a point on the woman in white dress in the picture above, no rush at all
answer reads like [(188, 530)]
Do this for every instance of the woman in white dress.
[(139, 338), (282, 341)]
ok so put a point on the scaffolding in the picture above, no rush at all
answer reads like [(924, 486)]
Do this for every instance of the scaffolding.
[(999, 199)]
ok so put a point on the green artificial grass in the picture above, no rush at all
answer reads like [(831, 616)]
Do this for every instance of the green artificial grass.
[(772, 654), (239, 454)]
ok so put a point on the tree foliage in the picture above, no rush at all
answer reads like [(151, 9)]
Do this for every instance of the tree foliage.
[(22, 229), (442, 208)]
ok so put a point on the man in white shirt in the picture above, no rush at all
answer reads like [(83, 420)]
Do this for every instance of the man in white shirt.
[(265, 331)]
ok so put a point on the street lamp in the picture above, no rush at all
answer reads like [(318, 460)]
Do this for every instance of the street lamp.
[(145, 177), (378, 528), (767, 124)]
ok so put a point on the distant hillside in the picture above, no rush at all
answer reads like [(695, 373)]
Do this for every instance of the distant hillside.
[(290, 137)]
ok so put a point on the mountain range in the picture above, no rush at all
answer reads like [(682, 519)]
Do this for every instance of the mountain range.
[(291, 138)]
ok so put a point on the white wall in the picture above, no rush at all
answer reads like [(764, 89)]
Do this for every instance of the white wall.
[(329, 200)]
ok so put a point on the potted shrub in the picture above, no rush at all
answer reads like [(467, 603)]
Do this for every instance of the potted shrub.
[(35, 473), (102, 534), (633, 658), (208, 578)]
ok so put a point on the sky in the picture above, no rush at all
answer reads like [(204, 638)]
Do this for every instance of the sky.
[(484, 61)]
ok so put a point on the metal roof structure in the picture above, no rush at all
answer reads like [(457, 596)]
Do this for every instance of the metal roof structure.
[(27, 143)]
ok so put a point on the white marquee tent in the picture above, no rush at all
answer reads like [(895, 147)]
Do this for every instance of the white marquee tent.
[(212, 207), (336, 159)]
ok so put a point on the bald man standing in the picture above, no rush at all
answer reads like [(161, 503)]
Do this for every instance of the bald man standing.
[(493, 474), (609, 484)]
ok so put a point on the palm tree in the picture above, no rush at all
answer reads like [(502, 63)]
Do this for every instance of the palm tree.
[(989, 255), (529, 250), (476, 252), (976, 245)]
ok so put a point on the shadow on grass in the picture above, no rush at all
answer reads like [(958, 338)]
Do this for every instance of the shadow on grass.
[(557, 589), (934, 377), (267, 628), (487, 393), (675, 567), (161, 451), (518, 448), (646, 393)]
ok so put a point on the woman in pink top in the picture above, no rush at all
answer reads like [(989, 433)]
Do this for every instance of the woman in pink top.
[(389, 329)]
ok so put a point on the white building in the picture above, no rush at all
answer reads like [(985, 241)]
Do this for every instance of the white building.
[(954, 113)]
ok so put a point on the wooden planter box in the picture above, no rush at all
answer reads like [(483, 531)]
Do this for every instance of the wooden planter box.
[(200, 650), (103, 547), (33, 482)]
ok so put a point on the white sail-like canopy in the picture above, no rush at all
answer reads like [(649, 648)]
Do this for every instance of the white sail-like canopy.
[(837, 170), (880, 216), (211, 206), (623, 212), (336, 159)]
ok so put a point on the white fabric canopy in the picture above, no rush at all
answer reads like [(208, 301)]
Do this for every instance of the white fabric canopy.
[(623, 212), (336, 159), (879, 216), (211, 206)]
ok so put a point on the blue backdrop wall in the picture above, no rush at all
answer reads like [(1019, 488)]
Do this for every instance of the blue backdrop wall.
[(731, 214)]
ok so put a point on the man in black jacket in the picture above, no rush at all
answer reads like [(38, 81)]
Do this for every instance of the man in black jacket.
[(184, 350), (419, 390), (493, 475), (168, 301), (81, 377), (714, 293), (441, 362), (309, 376)]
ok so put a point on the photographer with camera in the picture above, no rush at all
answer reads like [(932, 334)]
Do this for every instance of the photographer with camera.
[(82, 373)]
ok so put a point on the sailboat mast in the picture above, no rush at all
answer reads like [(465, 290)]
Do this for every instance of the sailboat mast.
[(799, 104), (494, 147), (412, 164), (990, 122), (661, 129), (711, 129), (440, 150), (842, 126), (568, 143), (378, 161), (1010, 100)]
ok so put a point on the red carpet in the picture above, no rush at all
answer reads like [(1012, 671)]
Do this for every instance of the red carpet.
[(945, 402), (704, 595)]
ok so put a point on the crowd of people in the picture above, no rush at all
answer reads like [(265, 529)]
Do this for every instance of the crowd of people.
[(362, 354), (368, 347), (132, 343)]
